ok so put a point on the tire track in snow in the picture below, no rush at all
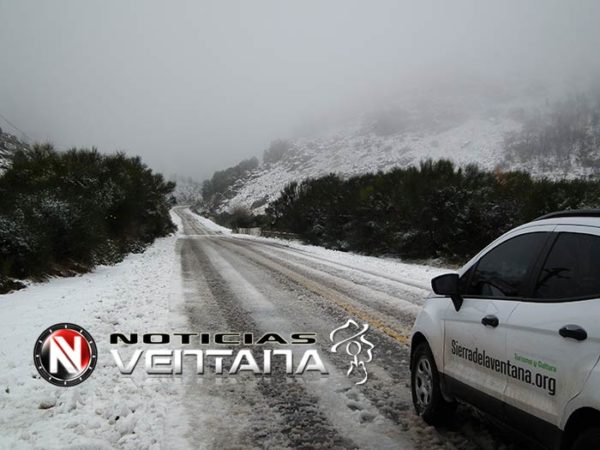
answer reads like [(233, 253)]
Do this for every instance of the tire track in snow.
[(398, 331), (328, 394), (423, 287), (295, 418)]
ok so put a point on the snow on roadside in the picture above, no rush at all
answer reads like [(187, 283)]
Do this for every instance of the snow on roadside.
[(140, 294), (419, 275), (210, 224)]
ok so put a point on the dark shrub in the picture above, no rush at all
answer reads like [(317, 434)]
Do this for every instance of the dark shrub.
[(74, 209), (434, 210)]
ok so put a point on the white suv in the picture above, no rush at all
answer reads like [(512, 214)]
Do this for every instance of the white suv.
[(516, 333)]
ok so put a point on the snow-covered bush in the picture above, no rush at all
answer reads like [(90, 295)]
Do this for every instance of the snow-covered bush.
[(431, 211), (64, 211)]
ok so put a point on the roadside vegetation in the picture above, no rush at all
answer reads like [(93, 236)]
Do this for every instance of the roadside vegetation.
[(239, 217), (436, 210), (65, 212)]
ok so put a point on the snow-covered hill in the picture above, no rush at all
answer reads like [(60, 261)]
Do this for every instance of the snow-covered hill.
[(352, 152), (548, 135), (391, 138)]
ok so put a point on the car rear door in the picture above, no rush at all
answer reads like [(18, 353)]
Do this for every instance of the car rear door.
[(553, 340), (475, 336)]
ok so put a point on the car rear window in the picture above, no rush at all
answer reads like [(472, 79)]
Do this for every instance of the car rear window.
[(572, 269), (503, 271)]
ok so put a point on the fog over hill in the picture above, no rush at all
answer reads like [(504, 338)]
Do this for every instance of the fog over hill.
[(548, 132), (197, 86)]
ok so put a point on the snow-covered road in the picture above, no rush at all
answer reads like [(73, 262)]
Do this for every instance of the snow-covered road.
[(235, 282), (205, 279)]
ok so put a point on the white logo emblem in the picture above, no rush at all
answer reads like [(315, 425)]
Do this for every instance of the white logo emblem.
[(354, 347), (69, 357)]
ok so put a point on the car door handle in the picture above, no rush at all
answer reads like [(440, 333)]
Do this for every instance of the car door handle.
[(573, 332), (490, 321)]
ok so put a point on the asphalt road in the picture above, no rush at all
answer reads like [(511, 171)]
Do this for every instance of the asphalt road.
[(258, 286)]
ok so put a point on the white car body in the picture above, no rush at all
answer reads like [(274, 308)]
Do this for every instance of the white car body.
[(522, 370)]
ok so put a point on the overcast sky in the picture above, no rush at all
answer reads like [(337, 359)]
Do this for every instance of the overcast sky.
[(194, 86)]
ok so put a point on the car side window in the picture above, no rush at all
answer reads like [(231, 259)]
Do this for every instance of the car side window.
[(572, 269), (503, 271)]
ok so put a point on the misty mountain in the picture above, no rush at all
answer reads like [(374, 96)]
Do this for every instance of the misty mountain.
[(560, 141), (536, 133), (187, 190)]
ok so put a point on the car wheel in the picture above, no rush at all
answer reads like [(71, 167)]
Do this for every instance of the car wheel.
[(427, 396), (589, 439)]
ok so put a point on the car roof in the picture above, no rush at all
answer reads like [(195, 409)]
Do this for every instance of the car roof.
[(582, 221), (585, 217), (572, 213)]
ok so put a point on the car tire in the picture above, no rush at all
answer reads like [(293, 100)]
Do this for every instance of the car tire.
[(589, 439), (428, 401)]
